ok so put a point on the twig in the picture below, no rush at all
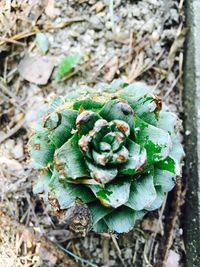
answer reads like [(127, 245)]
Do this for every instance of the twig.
[(12, 96), (10, 100), (8, 40), (105, 251), (17, 37), (172, 222), (119, 253), (12, 131), (66, 23), (157, 227), (171, 88), (111, 8), (77, 257)]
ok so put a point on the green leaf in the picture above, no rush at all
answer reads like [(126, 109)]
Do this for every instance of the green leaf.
[(172, 162), (136, 161), (122, 220), (47, 109), (164, 179), (134, 91), (67, 193), (42, 42), (88, 104), (117, 84), (168, 164), (156, 204), (56, 103), (43, 183), (62, 132), (118, 110), (100, 227), (156, 141), (41, 150), (142, 193), (114, 194), (98, 211), (67, 64), (101, 174), (85, 121), (139, 97), (69, 160), (168, 121), (52, 121), (177, 152), (120, 156), (147, 108)]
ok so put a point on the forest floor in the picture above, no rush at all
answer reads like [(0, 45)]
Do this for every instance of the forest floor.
[(134, 40)]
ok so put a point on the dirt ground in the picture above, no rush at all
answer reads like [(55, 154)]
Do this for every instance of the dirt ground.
[(134, 40)]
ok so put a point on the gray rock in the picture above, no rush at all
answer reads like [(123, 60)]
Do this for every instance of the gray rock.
[(192, 141)]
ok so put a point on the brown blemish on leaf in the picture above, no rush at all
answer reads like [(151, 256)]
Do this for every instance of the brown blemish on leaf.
[(121, 158), (83, 117), (158, 103), (59, 166), (122, 128), (36, 146), (100, 177), (125, 107), (119, 137), (84, 143), (81, 109), (102, 160)]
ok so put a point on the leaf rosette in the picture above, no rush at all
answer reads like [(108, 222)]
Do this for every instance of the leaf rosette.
[(114, 147)]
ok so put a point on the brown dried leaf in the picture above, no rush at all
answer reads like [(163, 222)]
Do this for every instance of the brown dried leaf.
[(111, 68), (36, 69), (176, 46), (151, 224)]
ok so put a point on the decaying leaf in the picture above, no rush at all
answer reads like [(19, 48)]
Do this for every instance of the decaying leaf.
[(111, 69), (36, 69), (176, 46), (42, 42)]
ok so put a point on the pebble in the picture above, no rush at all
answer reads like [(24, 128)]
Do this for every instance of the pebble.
[(18, 150)]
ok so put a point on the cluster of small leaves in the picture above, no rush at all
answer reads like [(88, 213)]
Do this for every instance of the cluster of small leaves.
[(115, 147)]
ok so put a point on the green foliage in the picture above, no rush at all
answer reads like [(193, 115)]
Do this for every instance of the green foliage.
[(67, 64), (113, 147)]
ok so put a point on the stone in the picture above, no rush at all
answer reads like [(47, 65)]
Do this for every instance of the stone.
[(192, 141)]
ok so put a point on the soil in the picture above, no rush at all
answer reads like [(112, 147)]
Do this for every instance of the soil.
[(134, 40)]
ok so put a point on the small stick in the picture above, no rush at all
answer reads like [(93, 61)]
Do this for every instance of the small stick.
[(12, 131)]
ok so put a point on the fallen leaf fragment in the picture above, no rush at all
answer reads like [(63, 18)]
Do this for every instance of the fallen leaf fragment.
[(111, 69), (67, 64), (42, 42), (36, 69), (176, 46)]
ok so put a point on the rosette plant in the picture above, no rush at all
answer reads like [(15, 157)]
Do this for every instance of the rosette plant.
[(114, 147)]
